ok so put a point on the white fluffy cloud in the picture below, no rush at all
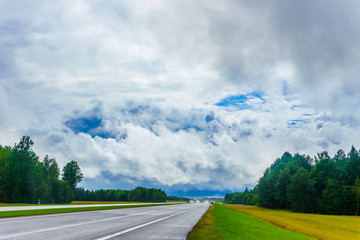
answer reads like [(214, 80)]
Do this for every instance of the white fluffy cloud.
[(203, 94)]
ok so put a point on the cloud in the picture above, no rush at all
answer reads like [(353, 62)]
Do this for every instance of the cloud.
[(183, 94)]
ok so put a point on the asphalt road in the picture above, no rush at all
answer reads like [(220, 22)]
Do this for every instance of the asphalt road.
[(159, 222)]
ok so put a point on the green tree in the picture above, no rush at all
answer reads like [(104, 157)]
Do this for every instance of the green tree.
[(352, 166), (51, 172), (63, 193), (324, 170), (72, 174), (281, 187), (301, 192), (357, 194), (24, 173), (333, 198), (266, 191), (339, 156), (5, 153)]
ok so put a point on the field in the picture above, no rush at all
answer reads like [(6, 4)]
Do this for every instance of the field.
[(314, 225), (221, 222)]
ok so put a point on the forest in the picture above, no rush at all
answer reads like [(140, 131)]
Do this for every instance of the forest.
[(247, 197), (323, 184), (139, 194), (25, 178)]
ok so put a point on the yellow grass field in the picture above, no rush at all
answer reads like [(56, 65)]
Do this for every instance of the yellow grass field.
[(314, 225)]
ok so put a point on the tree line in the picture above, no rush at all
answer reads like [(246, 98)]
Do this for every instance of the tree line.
[(25, 178), (175, 198), (247, 198), (323, 184), (139, 194)]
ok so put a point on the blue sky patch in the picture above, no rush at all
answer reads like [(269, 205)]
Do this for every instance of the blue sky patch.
[(240, 101), (297, 123), (187, 127), (89, 125), (83, 124)]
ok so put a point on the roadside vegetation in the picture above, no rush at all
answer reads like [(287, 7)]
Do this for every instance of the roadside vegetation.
[(99, 202), (16, 204), (25, 178), (139, 194), (4, 214), (72, 203), (323, 184), (221, 222), (205, 228), (307, 186), (315, 225)]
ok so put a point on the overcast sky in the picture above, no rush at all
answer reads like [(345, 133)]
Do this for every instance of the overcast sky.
[(195, 97)]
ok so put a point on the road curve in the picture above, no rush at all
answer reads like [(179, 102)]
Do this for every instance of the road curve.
[(158, 222)]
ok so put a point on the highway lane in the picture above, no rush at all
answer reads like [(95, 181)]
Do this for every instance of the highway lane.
[(158, 222)]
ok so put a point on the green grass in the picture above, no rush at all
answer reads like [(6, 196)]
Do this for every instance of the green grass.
[(205, 228), (16, 204), (78, 203), (330, 227), (65, 210), (100, 202), (72, 203), (221, 222)]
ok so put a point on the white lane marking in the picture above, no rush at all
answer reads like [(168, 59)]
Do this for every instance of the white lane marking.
[(142, 225), (75, 225)]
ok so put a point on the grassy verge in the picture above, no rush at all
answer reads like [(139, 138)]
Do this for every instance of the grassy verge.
[(205, 228), (15, 204), (100, 202), (72, 203), (78, 203), (221, 222), (314, 225), (66, 210)]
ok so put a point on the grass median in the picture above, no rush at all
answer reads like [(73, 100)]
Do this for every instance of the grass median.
[(19, 213), (221, 222), (79, 203), (57, 204)]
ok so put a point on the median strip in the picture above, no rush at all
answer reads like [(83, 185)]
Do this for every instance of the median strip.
[(19, 213)]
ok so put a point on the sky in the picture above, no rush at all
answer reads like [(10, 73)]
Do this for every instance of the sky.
[(197, 97)]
